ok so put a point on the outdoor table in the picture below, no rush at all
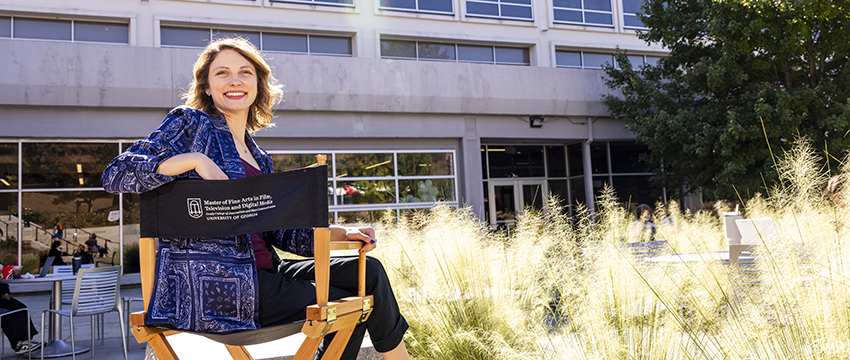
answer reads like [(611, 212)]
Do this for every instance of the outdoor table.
[(54, 347), (689, 257)]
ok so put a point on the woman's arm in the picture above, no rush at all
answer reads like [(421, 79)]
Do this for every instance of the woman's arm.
[(181, 163)]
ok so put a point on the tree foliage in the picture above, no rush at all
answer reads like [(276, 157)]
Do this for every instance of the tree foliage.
[(740, 75)]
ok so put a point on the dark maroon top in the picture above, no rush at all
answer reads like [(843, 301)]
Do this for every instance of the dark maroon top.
[(261, 253)]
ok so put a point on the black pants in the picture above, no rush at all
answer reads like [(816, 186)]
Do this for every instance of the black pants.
[(14, 325), (286, 293)]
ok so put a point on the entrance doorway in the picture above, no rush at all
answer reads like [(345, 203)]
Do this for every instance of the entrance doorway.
[(508, 198)]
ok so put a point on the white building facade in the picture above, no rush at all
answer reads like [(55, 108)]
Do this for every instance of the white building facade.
[(493, 104)]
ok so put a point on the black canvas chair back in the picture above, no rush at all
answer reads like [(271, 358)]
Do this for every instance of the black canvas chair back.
[(289, 200)]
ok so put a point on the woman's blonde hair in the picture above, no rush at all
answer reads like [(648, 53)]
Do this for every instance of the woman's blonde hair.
[(269, 92)]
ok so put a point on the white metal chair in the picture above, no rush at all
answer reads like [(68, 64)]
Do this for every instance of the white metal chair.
[(68, 290), (97, 291), (4, 312)]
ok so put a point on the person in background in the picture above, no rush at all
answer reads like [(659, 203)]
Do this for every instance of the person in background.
[(58, 230), (56, 253), (643, 228), (91, 244), (84, 254), (14, 325)]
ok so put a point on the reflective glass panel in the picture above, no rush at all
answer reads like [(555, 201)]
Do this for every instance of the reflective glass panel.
[(599, 157), (47, 29), (558, 188), (360, 165), (573, 4), (330, 45), (80, 213), (8, 166), (436, 5), (524, 2), (253, 37), (187, 37), (506, 208), (418, 164), (411, 191), (556, 161), (637, 190), (5, 26), (362, 217), (625, 157), (632, 21), (568, 16), (602, 5), (366, 192), (342, 2), (597, 60), (511, 55), (101, 32), (484, 162), (520, 12), (285, 162), (131, 234), (477, 8), (577, 191), (65, 165), (399, 4), (516, 161), (575, 159), (636, 60), (632, 6), (652, 60), (598, 18), (436, 51), (568, 58), (473, 53), (9, 216), (398, 48), (285, 42), (486, 201), (532, 196)]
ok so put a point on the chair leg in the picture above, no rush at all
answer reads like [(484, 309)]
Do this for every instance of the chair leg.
[(29, 333), (123, 332), (42, 335), (162, 348), (338, 344), (73, 350), (93, 322), (308, 349), (238, 352)]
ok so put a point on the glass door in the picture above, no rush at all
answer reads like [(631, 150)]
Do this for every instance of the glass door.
[(508, 198)]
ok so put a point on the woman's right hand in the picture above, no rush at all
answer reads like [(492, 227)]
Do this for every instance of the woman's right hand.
[(203, 165)]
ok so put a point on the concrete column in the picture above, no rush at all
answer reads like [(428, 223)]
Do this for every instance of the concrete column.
[(472, 177), (588, 169)]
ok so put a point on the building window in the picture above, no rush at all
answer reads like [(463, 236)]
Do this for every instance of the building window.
[(430, 6), (638, 61), (631, 10), (584, 12), (362, 184), (503, 9), (582, 59), (64, 30), (485, 54), (173, 36), (319, 2)]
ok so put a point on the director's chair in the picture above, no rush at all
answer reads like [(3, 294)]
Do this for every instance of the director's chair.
[(322, 318)]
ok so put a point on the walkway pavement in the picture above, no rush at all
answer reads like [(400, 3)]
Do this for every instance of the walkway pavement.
[(186, 346)]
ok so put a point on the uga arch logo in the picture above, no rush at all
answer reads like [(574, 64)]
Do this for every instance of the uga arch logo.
[(195, 209)]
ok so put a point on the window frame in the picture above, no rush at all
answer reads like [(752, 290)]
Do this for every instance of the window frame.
[(416, 10), (71, 22), (499, 7), (315, 2), (583, 15), (397, 204), (456, 58), (261, 34)]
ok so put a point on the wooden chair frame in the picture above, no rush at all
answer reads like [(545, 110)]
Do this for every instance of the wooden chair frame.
[(322, 318)]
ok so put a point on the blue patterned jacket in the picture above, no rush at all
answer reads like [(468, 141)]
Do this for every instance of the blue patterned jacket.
[(202, 284)]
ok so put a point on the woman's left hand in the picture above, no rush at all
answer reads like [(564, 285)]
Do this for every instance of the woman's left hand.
[(364, 234)]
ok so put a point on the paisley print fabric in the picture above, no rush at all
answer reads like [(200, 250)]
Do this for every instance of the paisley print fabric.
[(202, 284)]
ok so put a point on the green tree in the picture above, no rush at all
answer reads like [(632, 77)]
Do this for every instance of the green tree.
[(733, 65)]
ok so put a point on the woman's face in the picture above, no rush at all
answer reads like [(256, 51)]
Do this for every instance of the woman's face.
[(233, 83), (645, 216)]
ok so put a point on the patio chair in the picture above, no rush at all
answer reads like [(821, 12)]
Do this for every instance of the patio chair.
[(306, 187), (97, 291), (68, 290), (4, 312)]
